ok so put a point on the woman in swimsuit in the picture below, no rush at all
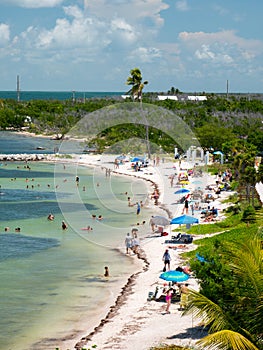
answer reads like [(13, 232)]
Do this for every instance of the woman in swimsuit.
[(168, 299)]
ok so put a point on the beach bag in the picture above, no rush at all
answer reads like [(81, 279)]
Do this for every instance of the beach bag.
[(164, 234), (164, 269)]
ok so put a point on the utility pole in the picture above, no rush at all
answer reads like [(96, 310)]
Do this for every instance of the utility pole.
[(18, 88), (227, 89), (73, 96)]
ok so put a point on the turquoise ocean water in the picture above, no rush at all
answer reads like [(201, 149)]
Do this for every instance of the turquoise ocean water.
[(51, 284), (58, 95)]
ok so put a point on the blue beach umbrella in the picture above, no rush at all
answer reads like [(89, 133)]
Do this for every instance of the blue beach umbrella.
[(184, 219), (174, 276), (182, 191)]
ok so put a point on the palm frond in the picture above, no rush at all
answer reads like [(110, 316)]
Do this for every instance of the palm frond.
[(225, 340), (247, 262), (211, 314)]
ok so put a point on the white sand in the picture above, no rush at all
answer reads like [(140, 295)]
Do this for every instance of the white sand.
[(138, 323)]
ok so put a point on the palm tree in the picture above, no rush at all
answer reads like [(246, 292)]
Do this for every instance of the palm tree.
[(237, 326), (135, 79)]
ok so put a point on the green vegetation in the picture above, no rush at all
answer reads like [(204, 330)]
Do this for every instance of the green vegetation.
[(229, 268), (219, 123), (230, 300)]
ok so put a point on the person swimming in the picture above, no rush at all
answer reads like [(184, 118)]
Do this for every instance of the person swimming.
[(51, 217)]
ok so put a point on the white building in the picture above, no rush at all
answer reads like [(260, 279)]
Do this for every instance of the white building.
[(197, 98), (167, 97)]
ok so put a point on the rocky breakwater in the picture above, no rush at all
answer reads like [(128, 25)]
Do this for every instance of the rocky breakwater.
[(22, 157)]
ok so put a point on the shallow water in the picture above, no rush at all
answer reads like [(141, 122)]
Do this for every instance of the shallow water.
[(13, 143), (51, 280)]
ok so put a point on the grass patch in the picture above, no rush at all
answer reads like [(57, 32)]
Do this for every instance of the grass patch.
[(237, 234)]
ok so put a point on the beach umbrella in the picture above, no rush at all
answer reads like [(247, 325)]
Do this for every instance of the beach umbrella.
[(184, 219), (159, 221), (184, 182), (122, 157), (174, 276), (182, 191)]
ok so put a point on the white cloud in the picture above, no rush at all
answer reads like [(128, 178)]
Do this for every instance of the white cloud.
[(4, 34), (92, 35), (182, 5), (33, 3), (225, 45), (81, 32), (220, 10), (135, 10), (205, 53), (123, 30), (144, 54), (73, 11)]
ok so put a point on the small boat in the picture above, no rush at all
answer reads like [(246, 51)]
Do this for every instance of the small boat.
[(40, 148)]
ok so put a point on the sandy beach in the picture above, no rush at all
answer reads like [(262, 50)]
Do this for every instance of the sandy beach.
[(133, 322)]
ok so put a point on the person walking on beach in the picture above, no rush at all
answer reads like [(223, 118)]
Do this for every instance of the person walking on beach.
[(135, 244), (192, 206), (166, 260), (171, 177), (186, 206), (128, 243)]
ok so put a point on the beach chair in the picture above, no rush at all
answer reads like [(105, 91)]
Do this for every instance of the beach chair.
[(150, 296)]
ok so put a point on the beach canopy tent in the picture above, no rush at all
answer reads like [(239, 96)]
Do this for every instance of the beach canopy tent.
[(159, 221), (182, 191), (138, 159), (184, 219), (174, 276), (221, 156), (197, 182)]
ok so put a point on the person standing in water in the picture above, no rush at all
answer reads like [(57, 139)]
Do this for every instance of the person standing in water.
[(138, 208), (128, 243), (64, 225), (106, 272)]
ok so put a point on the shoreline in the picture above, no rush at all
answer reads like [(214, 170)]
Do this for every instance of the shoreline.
[(114, 316), (119, 302), (131, 313)]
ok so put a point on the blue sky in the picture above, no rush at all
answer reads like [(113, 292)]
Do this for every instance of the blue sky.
[(91, 45)]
